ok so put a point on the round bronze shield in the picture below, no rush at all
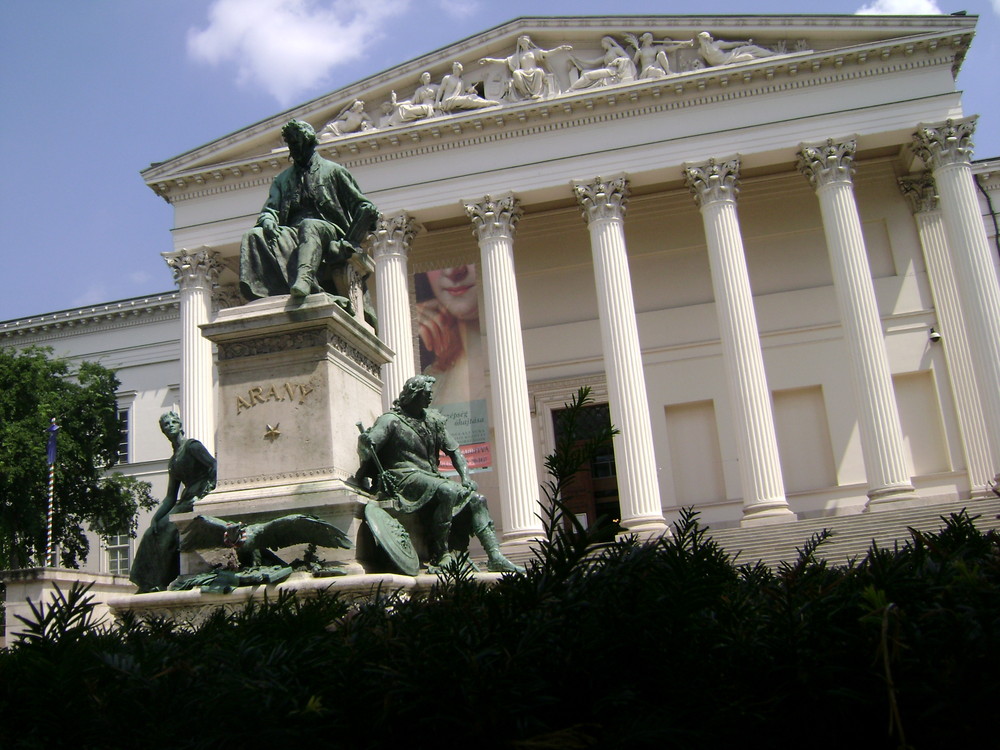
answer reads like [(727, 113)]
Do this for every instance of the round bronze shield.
[(392, 537)]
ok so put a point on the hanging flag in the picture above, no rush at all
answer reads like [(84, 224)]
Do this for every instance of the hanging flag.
[(52, 430)]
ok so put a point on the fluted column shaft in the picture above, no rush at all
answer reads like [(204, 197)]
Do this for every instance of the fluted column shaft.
[(947, 150), (715, 186), (391, 249), (951, 320), (829, 168), (494, 220), (196, 273), (603, 203)]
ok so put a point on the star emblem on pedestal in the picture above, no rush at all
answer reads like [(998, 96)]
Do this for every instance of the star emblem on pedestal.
[(272, 433)]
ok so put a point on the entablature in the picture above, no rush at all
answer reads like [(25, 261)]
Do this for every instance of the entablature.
[(135, 311)]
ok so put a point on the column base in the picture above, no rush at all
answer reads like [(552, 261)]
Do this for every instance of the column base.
[(892, 498), (520, 550), (767, 513), (983, 493), (645, 528)]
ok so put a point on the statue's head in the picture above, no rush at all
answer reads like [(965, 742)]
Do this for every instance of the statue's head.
[(456, 68), (170, 423), (234, 535), (646, 38), (416, 388), (301, 139), (425, 78)]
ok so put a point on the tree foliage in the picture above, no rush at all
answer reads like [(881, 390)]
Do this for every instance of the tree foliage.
[(34, 388)]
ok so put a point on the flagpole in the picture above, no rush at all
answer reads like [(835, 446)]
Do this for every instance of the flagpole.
[(49, 551), (52, 507)]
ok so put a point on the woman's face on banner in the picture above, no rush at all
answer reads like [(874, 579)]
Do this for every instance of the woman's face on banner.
[(457, 289)]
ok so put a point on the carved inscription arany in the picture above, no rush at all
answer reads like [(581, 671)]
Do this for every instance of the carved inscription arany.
[(261, 394)]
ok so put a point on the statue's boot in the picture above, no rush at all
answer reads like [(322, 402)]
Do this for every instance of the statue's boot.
[(310, 253), (440, 556), (496, 561), (305, 282)]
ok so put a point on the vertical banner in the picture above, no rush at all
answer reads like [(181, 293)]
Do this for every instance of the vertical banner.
[(451, 349)]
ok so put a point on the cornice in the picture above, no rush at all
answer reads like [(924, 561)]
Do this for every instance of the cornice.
[(709, 85), (112, 315), (987, 172)]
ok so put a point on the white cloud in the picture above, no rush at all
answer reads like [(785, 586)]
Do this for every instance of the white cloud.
[(902, 8), (467, 8), (287, 47), (93, 294), (139, 277), (996, 7)]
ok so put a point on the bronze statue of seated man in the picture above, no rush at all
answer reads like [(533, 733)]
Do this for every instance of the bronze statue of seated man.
[(312, 223)]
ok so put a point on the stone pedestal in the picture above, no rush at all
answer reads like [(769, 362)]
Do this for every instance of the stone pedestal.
[(294, 379), (42, 586)]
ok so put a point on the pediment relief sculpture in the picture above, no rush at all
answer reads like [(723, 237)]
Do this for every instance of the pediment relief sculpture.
[(616, 66), (531, 73), (455, 95), (716, 52), (650, 57), (351, 119)]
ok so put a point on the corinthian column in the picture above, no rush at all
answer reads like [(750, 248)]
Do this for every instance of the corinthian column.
[(715, 186), (494, 220), (196, 273), (603, 203), (829, 168), (391, 248), (922, 194), (947, 148)]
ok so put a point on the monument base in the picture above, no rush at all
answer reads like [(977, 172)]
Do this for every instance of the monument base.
[(294, 380)]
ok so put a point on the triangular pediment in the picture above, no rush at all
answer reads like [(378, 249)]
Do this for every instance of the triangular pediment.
[(580, 60)]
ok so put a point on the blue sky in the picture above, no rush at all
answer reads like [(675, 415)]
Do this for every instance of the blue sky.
[(93, 91)]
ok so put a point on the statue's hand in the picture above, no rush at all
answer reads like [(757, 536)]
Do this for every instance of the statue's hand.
[(389, 486), (469, 484), (270, 229)]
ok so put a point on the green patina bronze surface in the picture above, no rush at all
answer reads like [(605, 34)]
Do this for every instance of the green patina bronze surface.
[(157, 561), (313, 220), (400, 455)]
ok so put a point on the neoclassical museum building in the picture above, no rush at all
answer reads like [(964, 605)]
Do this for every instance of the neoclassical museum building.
[(763, 243)]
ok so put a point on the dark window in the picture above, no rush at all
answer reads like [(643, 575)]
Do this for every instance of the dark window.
[(593, 491), (123, 457)]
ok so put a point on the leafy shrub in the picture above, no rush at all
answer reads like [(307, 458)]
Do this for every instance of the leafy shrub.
[(664, 644), (667, 643)]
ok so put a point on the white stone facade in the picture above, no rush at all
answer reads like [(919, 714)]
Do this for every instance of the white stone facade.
[(767, 349)]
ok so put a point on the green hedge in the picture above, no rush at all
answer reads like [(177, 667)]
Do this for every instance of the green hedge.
[(667, 644)]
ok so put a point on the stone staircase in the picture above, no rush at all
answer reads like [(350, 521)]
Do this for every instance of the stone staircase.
[(852, 535)]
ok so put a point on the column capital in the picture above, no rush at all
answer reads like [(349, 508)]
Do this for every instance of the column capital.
[(494, 217), (828, 162), (714, 180), (603, 199), (944, 144), (394, 233), (921, 191), (193, 268)]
